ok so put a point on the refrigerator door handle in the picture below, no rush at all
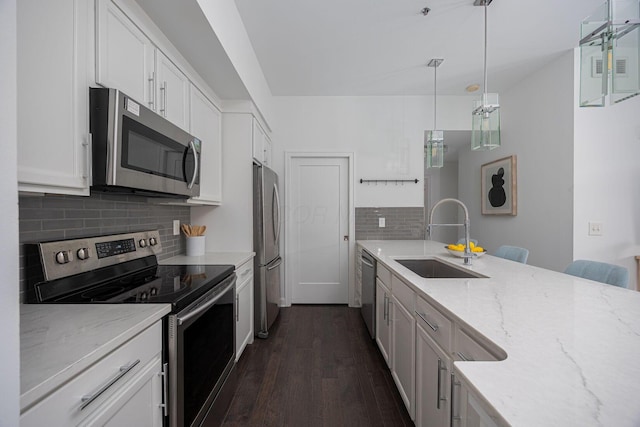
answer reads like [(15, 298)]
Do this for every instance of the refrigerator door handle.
[(277, 264), (276, 224)]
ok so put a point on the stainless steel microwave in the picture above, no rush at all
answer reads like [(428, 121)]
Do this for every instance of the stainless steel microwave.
[(137, 151)]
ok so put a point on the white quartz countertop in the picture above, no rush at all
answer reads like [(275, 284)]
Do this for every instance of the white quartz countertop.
[(58, 341), (209, 258), (572, 345)]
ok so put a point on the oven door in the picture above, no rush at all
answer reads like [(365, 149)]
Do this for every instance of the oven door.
[(201, 353)]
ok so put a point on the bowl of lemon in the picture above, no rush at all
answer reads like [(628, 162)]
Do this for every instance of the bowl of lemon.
[(458, 249)]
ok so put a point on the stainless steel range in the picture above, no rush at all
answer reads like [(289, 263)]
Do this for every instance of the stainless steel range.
[(199, 343)]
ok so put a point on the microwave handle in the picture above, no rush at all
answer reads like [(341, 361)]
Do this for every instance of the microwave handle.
[(195, 164)]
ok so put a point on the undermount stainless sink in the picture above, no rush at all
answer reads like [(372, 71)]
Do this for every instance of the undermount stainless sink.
[(434, 269)]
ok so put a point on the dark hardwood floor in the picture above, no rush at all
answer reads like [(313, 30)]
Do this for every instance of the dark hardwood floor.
[(319, 367)]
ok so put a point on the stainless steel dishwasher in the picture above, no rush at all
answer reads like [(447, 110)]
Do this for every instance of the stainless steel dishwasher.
[(369, 292)]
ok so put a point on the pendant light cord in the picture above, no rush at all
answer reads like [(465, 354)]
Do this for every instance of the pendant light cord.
[(485, 52), (435, 92)]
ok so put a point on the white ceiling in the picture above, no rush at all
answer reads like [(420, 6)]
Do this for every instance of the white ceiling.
[(381, 47)]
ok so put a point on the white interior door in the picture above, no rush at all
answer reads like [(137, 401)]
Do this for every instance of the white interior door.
[(318, 227)]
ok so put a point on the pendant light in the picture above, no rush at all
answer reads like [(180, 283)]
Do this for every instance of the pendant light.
[(486, 111), (434, 139), (609, 54)]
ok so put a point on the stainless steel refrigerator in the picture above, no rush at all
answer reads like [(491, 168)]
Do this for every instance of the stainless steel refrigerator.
[(266, 236)]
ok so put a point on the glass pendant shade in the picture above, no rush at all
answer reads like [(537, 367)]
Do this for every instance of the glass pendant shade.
[(434, 148), (485, 129)]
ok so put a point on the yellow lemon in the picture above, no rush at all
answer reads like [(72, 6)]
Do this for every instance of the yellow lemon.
[(477, 249), (472, 245)]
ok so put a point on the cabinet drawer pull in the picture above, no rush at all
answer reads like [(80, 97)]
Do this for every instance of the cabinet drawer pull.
[(433, 327), (464, 358), (123, 371), (244, 273), (237, 308)]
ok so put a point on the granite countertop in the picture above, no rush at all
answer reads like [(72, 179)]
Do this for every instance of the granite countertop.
[(58, 341), (572, 344), (231, 258)]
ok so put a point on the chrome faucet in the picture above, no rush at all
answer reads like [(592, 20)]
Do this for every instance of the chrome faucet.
[(468, 255)]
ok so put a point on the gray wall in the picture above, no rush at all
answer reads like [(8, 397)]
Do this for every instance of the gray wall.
[(401, 223), (537, 126), (67, 217)]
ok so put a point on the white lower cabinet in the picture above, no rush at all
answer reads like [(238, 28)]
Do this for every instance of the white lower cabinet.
[(403, 341), (383, 320), (420, 343), (433, 368), (469, 410), (125, 388), (244, 307)]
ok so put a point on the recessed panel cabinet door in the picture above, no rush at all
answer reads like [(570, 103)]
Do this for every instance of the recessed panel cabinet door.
[(383, 321), (125, 55), (403, 343), (172, 92), (432, 382), (206, 126), (53, 45)]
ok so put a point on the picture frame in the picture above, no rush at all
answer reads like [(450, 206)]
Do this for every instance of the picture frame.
[(499, 187)]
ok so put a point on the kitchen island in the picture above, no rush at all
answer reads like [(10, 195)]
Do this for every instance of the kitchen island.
[(571, 344)]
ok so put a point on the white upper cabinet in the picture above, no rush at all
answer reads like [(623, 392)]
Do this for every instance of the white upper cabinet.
[(54, 44), (172, 92), (261, 144), (128, 60), (205, 125), (125, 56)]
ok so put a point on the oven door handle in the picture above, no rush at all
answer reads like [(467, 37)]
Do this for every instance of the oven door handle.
[(204, 306)]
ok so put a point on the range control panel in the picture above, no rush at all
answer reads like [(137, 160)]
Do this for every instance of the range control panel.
[(68, 257)]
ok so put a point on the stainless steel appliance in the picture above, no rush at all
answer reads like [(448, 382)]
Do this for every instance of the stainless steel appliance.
[(199, 343), (266, 238), (137, 151), (368, 309)]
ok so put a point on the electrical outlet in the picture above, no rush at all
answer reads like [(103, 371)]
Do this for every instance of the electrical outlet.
[(176, 227), (595, 228), (381, 222)]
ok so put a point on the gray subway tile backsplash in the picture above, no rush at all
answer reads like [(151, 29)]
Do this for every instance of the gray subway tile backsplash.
[(67, 217), (402, 223)]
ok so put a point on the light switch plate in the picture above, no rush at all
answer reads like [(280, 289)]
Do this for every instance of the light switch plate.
[(381, 222), (176, 227), (595, 228)]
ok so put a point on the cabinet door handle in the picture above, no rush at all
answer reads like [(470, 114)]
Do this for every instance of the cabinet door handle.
[(439, 397), (389, 302), (237, 308), (163, 105), (165, 395), (152, 92), (453, 417), (434, 327), (384, 308), (88, 146), (123, 371)]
